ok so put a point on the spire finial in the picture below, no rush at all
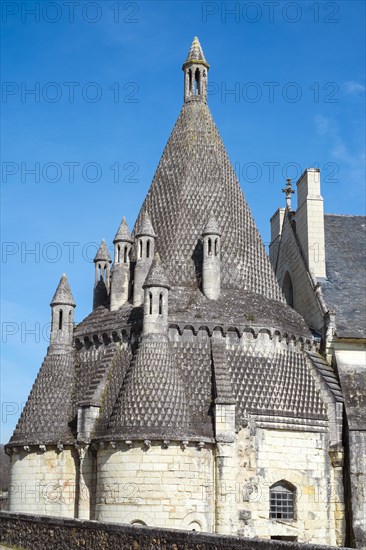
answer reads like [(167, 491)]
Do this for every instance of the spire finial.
[(195, 70), (288, 192)]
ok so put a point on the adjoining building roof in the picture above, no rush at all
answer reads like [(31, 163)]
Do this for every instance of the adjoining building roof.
[(345, 287)]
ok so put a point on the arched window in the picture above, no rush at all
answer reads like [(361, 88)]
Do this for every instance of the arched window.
[(148, 249), (137, 523), (160, 303), (60, 313), (150, 303), (125, 255), (216, 247), (209, 245), (287, 289), (140, 248), (197, 82), (282, 499), (190, 80), (118, 253)]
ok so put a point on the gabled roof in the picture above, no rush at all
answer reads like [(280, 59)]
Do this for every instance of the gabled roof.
[(63, 294), (102, 254), (345, 257), (123, 233)]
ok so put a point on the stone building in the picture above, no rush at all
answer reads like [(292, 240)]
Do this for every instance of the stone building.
[(320, 262), (193, 396)]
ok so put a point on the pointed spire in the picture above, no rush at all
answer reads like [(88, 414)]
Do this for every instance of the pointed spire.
[(156, 275), (145, 226), (211, 227), (63, 294), (103, 254), (123, 233), (196, 54)]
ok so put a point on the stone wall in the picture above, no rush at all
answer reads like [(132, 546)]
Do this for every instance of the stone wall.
[(43, 482), (38, 532), (155, 486), (299, 458)]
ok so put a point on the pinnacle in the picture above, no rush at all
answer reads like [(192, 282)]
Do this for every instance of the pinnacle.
[(145, 226), (103, 253), (211, 227), (156, 275), (196, 54), (63, 294), (123, 233)]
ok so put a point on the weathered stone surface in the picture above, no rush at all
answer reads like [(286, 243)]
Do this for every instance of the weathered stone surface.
[(39, 532)]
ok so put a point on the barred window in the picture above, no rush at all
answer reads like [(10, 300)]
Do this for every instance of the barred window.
[(282, 501)]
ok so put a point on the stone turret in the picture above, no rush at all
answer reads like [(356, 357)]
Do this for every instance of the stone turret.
[(144, 251), (120, 279), (156, 291), (211, 269), (102, 263), (195, 70), (62, 318)]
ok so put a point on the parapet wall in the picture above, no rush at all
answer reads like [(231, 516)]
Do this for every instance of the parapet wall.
[(29, 532)]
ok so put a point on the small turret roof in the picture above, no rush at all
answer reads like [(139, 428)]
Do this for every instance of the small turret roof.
[(145, 226), (211, 227), (123, 233), (63, 294), (196, 54), (156, 275), (103, 254)]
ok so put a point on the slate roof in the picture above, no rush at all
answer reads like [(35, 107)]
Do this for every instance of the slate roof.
[(63, 294), (345, 288)]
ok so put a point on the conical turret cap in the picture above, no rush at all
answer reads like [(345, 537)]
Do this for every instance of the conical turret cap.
[(211, 227), (145, 227), (63, 294), (123, 233), (103, 254), (196, 54), (156, 275)]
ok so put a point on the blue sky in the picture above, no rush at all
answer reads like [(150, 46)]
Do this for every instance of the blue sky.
[(286, 91)]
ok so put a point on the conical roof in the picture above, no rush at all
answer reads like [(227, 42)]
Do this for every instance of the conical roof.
[(145, 226), (156, 275), (152, 401), (196, 54), (102, 254), (123, 233), (194, 179), (211, 227), (63, 294)]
